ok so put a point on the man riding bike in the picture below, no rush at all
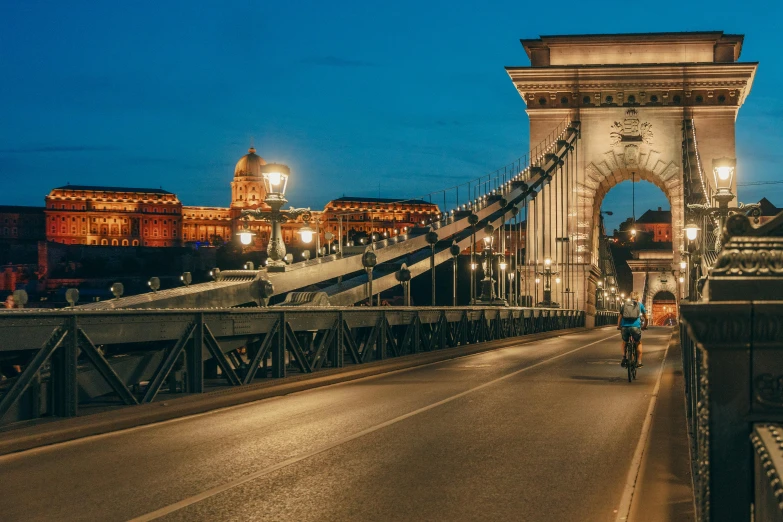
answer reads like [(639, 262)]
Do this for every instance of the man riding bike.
[(630, 324)]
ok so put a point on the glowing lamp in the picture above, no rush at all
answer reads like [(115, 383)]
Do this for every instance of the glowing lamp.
[(557, 280), (306, 233), (275, 178), (503, 264), (538, 280), (683, 265), (691, 231), (547, 262), (682, 279), (245, 237), (723, 171)]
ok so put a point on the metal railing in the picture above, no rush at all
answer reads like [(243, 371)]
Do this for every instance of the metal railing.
[(71, 358), (606, 318)]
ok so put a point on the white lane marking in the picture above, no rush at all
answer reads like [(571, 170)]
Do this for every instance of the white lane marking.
[(90, 438), (633, 474), (293, 460)]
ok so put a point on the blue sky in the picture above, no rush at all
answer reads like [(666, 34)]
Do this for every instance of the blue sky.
[(356, 97)]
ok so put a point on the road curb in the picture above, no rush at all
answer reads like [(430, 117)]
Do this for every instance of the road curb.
[(58, 431)]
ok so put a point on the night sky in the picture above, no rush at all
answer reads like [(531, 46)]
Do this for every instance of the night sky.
[(358, 98)]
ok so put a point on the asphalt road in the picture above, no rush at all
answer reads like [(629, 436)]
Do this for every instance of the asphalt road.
[(539, 431)]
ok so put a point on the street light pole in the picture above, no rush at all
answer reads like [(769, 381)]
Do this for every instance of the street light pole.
[(454, 250), (723, 174), (432, 239), (275, 182)]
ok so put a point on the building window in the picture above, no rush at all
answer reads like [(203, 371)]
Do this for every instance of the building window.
[(114, 242), (104, 241), (135, 242)]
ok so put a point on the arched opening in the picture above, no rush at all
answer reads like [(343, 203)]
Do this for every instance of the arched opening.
[(664, 309), (636, 220)]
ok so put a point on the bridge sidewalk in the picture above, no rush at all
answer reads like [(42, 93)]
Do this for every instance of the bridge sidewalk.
[(664, 486)]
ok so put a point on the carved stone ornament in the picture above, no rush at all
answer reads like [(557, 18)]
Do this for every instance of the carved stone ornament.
[(750, 256), (630, 130), (768, 390)]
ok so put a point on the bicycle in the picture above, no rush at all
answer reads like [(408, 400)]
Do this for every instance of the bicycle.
[(630, 356)]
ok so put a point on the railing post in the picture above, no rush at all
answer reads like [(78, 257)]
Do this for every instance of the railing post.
[(724, 473), (380, 344), (64, 394), (278, 350), (195, 357), (338, 353)]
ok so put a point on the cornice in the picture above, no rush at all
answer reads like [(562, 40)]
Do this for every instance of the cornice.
[(731, 76)]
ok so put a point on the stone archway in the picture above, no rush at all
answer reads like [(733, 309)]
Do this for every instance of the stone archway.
[(638, 100), (663, 309), (630, 155)]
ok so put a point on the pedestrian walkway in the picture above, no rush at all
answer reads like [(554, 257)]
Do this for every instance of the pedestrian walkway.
[(664, 488)]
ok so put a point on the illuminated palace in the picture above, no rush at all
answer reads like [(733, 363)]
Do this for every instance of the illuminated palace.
[(118, 216)]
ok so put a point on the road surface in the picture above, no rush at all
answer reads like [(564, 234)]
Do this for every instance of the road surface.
[(540, 431)]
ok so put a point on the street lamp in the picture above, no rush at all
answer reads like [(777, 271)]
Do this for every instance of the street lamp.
[(487, 284), (306, 234), (691, 231), (548, 273), (245, 234), (723, 172), (275, 182), (454, 250)]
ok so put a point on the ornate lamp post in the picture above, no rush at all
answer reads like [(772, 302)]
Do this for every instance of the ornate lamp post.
[(548, 273), (600, 302), (275, 182), (488, 284), (454, 250), (723, 170), (723, 174)]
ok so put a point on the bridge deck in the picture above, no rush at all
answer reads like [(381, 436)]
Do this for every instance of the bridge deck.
[(538, 431)]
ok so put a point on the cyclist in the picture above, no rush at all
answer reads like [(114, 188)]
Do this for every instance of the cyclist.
[(633, 319)]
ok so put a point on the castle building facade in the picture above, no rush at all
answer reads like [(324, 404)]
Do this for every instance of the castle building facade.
[(128, 217)]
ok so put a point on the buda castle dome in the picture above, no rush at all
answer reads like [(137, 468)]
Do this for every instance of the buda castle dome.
[(249, 165)]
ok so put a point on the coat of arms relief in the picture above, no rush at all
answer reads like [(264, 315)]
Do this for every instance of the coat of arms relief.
[(629, 134)]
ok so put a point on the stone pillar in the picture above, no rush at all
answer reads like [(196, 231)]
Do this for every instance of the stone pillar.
[(738, 348)]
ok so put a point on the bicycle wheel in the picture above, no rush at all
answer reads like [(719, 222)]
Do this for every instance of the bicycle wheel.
[(633, 366), (629, 357)]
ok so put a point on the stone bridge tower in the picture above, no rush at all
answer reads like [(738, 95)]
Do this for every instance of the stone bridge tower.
[(640, 99)]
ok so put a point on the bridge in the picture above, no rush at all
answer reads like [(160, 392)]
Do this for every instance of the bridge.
[(489, 410)]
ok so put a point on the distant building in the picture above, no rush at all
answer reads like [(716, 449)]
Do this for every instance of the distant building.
[(145, 217), (768, 210), (656, 223), (387, 217), (21, 224), (113, 216)]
